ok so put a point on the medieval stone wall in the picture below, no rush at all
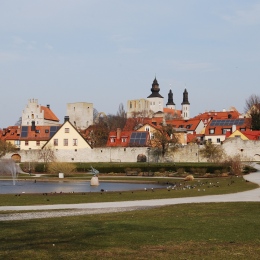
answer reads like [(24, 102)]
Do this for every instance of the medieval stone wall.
[(248, 150)]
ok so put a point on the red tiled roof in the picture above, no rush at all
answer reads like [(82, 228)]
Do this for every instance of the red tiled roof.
[(10, 133), (191, 138), (48, 114), (251, 135), (118, 137), (218, 129), (173, 112), (190, 124), (207, 116)]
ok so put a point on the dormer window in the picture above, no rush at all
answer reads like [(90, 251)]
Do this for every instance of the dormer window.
[(112, 140), (124, 140), (212, 131)]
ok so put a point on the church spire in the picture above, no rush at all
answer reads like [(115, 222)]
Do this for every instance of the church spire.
[(185, 98), (155, 90), (185, 105), (170, 99)]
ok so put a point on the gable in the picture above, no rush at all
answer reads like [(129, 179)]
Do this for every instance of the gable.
[(68, 137)]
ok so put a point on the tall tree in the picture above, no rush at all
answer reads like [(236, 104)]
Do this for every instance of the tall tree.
[(6, 147), (164, 138), (252, 108)]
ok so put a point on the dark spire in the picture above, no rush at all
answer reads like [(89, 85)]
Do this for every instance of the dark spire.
[(155, 89), (170, 99), (185, 98)]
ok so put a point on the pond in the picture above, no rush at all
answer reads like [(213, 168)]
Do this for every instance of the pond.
[(7, 187)]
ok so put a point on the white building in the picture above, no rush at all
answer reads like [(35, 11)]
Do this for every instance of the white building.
[(38, 115)]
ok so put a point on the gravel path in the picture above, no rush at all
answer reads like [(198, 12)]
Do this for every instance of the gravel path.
[(61, 210)]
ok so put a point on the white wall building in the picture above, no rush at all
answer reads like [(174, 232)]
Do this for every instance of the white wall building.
[(38, 114)]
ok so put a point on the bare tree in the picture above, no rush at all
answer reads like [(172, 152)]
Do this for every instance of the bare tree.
[(212, 152), (252, 108), (19, 121), (47, 155), (234, 163)]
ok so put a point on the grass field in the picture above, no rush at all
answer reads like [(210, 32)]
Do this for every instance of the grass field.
[(188, 231), (198, 231)]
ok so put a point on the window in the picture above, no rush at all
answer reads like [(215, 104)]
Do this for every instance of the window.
[(218, 140), (55, 142), (65, 142), (26, 142), (225, 130), (147, 129), (123, 140), (67, 130), (112, 140), (17, 142), (38, 143), (75, 142), (212, 131)]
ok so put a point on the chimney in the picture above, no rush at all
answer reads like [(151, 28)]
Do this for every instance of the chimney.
[(48, 106), (33, 128), (118, 133), (66, 118), (234, 128)]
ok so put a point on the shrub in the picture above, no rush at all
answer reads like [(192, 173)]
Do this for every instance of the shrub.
[(189, 178), (57, 167), (180, 171), (40, 167)]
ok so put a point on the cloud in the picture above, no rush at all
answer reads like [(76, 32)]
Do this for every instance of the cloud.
[(251, 16)]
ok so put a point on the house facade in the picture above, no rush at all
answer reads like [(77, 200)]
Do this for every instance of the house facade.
[(67, 137)]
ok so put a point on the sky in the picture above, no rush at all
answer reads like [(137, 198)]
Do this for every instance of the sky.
[(106, 52)]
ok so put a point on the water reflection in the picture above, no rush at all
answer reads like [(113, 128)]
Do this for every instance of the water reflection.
[(7, 187)]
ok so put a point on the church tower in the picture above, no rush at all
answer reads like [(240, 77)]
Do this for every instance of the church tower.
[(155, 99), (170, 104), (185, 105)]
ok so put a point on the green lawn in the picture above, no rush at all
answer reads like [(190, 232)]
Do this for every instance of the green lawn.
[(190, 231)]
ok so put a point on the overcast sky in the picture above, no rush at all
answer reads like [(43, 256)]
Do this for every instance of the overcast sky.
[(108, 51)]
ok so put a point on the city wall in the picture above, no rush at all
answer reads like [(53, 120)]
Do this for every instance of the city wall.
[(248, 150)]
